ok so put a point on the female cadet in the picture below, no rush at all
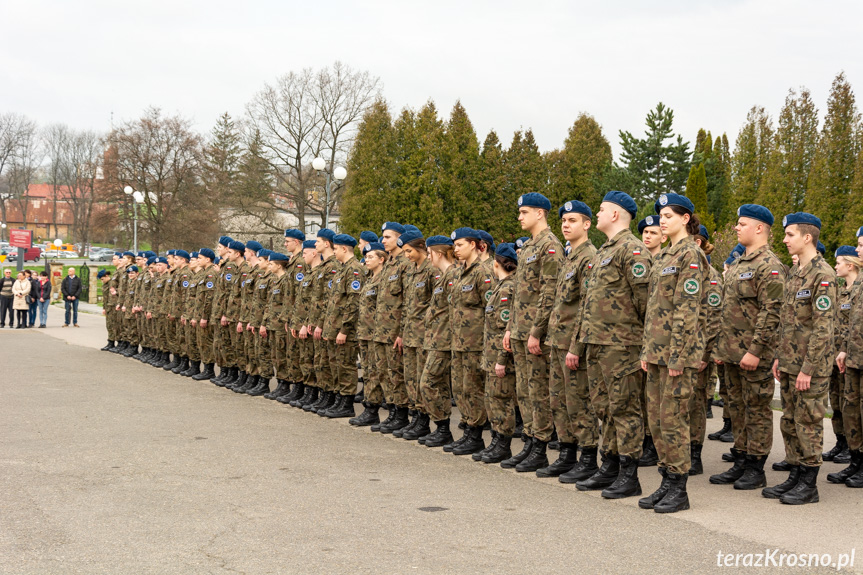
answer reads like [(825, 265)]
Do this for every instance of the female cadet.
[(497, 362), (299, 329), (374, 256), (435, 380), (467, 304), (418, 291), (674, 332), (705, 382), (271, 327)]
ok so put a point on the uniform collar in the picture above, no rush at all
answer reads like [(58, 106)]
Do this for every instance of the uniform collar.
[(575, 252), (751, 256), (617, 237), (682, 244), (808, 268)]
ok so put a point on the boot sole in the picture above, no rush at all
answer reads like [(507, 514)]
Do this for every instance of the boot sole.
[(751, 487), (621, 495), (571, 480), (683, 507), (814, 499), (592, 487)]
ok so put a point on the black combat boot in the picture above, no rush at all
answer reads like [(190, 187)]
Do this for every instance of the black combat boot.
[(726, 428), (709, 410), (566, 460), (781, 466), (452, 445), (223, 373), (421, 428), (753, 473), (413, 415), (696, 468), (472, 444), (676, 499), (626, 484), (172, 364), (585, 468), (281, 387), (261, 388), (844, 456), (841, 444), (733, 474), (856, 480), (139, 354), (399, 421), (728, 457), (183, 366), (777, 491), (392, 415), (655, 497), (343, 407), (294, 394), (604, 476), (479, 454), (121, 346), (323, 398), (165, 360), (841, 476), (649, 457), (520, 456), (501, 451), (251, 381), (310, 395), (194, 369), (806, 490), (441, 436), (206, 374), (130, 351), (154, 357), (537, 459), (109, 347), (361, 396), (230, 377), (368, 417), (554, 443)]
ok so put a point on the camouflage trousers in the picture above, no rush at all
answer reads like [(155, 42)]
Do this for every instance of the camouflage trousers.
[(392, 374), (278, 342), (749, 396), (837, 383), (218, 348), (569, 395), (616, 381), (435, 385), (343, 363), (802, 422), (205, 343), (292, 353), (322, 366), (852, 409), (723, 390), (698, 406), (307, 361), (500, 402), (372, 391), (193, 353), (170, 329), (414, 360), (250, 357), (468, 386), (237, 346), (263, 360), (110, 321), (130, 329), (668, 415), (533, 372), (644, 402)]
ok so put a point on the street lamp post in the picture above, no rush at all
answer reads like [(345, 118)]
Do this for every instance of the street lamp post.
[(338, 174), (137, 198)]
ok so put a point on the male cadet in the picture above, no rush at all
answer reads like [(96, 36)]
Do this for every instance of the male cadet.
[(746, 346), (804, 359), (340, 327), (299, 326), (261, 358), (105, 277), (850, 361), (569, 392), (142, 301), (235, 313), (125, 261), (155, 312), (227, 307), (219, 333), (388, 320), (612, 329), (319, 298), (175, 307), (109, 303), (189, 315), (246, 294), (533, 298), (126, 307), (272, 327), (292, 373), (203, 310)]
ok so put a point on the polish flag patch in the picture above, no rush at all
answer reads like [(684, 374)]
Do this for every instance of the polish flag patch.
[(825, 284), (693, 266), (589, 266), (449, 284), (636, 252), (551, 251), (714, 282), (356, 273), (488, 280), (332, 271), (774, 273), (504, 299)]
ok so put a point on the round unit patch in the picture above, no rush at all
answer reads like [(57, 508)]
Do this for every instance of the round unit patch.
[(185, 284), (823, 303), (713, 300), (567, 207), (228, 277), (452, 236), (299, 277), (638, 270), (209, 285), (355, 285), (663, 200), (520, 200), (691, 286), (488, 295), (504, 315)]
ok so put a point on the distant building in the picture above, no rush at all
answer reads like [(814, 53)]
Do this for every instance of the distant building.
[(48, 216)]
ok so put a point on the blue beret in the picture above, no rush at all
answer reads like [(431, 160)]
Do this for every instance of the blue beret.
[(118, 254), (101, 274), (519, 243), (170, 252), (438, 241), (263, 253), (161, 260), (207, 253), (326, 234), (666, 200), (236, 246), (506, 251), (225, 241), (755, 212), (408, 236), (486, 237), (368, 236), (374, 246), (534, 200), (277, 257), (461, 233), (131, 269), (150, 254), (309, 244), (253, 245), (130, 254), (412, 228), (860, 231), (623, 200), (801, 218), (821, 249), (141, 254), (151, 260), (344, 240), (575, 207), (193, 254), (295, 234), (181, 254), (702, 231), (217, 260), (648, 222), (708, 260), (846, 251), (393, 226), (738, 251)]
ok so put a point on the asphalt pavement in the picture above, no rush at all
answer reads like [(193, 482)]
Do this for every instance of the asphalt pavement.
[(111, 466)]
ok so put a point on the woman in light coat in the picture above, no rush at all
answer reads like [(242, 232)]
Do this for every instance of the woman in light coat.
[(20, 290)]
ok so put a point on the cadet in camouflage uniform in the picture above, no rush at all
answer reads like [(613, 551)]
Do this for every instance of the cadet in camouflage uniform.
[(190, 329), (288, 352), (535, 282), (675, 329), (230, 274), (611, 331), (219, 351), (234, 312), (319, 298), (804, 359), (260, 355), (435, 385), (272, 326), (109, 302), (568, 386), (248, 294), (127, 307), (652, 238), (312, 261), (169, 325), (176, 306), (128, 259), (155, 313), (746, 346), (107, 308), (202, 311)]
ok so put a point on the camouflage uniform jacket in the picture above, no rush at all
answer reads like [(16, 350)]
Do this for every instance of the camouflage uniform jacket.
[(615, 297), (144, 291), (191, 299), (390, 306), (752, 295), (535, 282), (108, 300), (319, 297), (807, 320), (418, 293), (157, 294), (497, 312), (852, 341), (272, 318), (181, 284), (247, 293), (205, 292), (260, 297), (303, 296), (676, 319), (227, 273), (343, 308), (234, 296), (295, 269), (367, 305), (438, 327), (566, 312), (713, 303), (467, 307), (128, 300)]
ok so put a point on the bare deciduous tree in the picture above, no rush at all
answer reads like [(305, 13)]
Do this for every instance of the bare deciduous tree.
[(16, 138)]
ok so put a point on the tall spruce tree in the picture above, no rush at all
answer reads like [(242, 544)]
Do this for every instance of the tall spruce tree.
[(854, 219), (221, 160), (497, 217), (525, 172), (696, 191), (461, 191), (750, 158), (718, 181)]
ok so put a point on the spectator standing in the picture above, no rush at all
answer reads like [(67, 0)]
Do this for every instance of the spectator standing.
[(6, 283), (71, 291), (20, 292), (34, 297), (43, 297)]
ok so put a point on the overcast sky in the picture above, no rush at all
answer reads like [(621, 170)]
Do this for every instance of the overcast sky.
[(513, 65)]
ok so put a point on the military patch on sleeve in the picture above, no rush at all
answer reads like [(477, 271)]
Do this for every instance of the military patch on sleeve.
[(299, 277), (823, 303), (531, 259), (228, 277), (845, 306), (185, 284), (691, 286), (438, 290), (639, 269), (488, 295), (714, 299), (669, 271), (569, 275), (330, 284), (209, 285), (504, 315), (804, 294), (355, 285), (605, 262)]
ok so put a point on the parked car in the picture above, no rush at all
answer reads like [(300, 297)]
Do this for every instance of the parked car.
[(101, 255), (30, 255)]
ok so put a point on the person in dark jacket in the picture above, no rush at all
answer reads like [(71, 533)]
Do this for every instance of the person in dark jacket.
[(34, 297), (43, 297), (6, 283), (71, 290)]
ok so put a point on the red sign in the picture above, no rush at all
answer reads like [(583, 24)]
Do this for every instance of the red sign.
[(21, 238)]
